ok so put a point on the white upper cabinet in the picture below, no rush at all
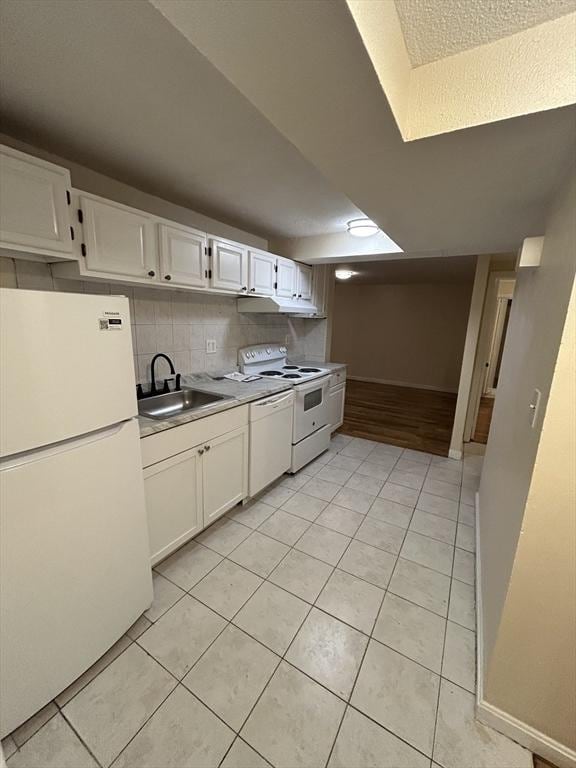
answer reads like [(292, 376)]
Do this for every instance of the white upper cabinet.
[(34, 205), (229, 265), (118, 240), (183, 256), (286, 278), (304, 282), (261, 273)]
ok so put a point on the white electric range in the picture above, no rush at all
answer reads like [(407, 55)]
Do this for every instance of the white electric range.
[(311, 427)]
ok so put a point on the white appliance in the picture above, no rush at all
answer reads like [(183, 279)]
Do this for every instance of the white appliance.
[(311, 428), (270, 439), (74, 568)]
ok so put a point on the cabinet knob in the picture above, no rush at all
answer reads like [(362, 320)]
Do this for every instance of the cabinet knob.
[(201, 451), (244, 288), (253, 290), (167, 277), (206, 447), (293, 295), (151, 273)]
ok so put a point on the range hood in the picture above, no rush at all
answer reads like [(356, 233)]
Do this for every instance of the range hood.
[(274, 305)]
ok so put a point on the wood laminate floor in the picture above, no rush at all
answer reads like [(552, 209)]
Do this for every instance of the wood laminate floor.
[(421, 419), (484, 420)]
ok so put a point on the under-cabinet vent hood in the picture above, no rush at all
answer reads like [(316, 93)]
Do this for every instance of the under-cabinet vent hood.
[(276, 305)]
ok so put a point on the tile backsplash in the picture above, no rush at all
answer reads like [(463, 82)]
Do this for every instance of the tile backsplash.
[(179, 323)]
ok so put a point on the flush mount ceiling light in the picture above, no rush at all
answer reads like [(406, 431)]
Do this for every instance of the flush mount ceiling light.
[(344, 274), (362, 227)]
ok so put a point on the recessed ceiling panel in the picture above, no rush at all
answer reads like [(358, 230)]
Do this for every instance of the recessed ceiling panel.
[(434, 29)]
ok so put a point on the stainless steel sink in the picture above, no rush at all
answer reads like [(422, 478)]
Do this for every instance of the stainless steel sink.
[(174, 403)]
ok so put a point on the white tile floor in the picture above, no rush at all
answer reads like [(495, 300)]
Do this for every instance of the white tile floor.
[(329, 623)]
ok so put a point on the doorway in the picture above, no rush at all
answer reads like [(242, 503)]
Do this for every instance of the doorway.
[(495, 321)]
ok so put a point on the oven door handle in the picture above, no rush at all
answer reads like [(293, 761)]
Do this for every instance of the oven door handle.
[(321, 383)]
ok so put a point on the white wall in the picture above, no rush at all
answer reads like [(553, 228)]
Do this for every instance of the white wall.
[(404, 334), (524, 501), (179, 322)]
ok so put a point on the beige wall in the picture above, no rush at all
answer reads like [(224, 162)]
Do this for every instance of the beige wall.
[(527, 488), (533, 669), (406, 334)]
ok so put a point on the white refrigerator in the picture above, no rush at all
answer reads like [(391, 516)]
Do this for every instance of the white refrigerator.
[(74, 558)]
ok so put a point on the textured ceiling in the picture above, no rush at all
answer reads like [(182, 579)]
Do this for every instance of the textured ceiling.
[(454, 269), (113, 86), (434, 29)]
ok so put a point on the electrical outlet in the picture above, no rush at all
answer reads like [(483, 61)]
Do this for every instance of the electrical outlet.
[(210, 346)]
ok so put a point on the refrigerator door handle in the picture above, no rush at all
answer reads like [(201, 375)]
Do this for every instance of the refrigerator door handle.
[(37, 454)]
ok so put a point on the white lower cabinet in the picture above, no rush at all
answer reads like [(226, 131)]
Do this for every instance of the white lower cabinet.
[(224, 473), (192, 488), (336, 398), (173, 502)]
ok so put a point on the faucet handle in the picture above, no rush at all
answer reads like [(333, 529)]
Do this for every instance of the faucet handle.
[(166, 387), (177, 386)]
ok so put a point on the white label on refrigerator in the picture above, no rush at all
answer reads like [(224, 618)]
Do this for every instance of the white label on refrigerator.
[(112, 321)]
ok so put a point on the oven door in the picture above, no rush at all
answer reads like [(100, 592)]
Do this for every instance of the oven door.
[(310, 408)]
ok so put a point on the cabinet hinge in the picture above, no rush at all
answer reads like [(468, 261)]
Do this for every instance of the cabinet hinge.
[(209, 250), (210, 274), (68, 198), (83, 249), (72, 233), (275, 267), (205, 250), (275, 286), (205, 273), (80, 216)]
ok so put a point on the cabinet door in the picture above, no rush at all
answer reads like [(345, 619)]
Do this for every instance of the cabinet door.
[(183, 258), (261, 273), (224, 473), (304, 282), (336, 398), (229, 266), (286, 278), (119, 240), (173, 502), (34, 212)]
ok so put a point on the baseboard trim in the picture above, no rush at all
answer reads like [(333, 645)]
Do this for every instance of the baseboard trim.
[(525, 735), (408, 384), (489, 714)]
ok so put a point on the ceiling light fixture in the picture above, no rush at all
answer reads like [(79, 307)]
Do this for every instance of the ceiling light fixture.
[(344, 274), (362, 227)]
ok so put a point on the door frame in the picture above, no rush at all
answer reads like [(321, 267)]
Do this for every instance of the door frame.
[(487, 329)]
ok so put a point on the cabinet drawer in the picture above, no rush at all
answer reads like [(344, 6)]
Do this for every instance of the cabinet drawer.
[(338, 377), (172, 441)]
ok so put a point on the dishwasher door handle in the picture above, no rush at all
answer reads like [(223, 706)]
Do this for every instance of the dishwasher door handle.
[(276, 402)]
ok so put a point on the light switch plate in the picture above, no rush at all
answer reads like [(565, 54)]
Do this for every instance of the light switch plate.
[(534, 406), (210, 346)]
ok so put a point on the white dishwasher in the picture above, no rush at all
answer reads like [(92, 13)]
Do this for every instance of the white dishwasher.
[(270, 439)]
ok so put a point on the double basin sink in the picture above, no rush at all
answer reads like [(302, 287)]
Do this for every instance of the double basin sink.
[(174, 403)]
